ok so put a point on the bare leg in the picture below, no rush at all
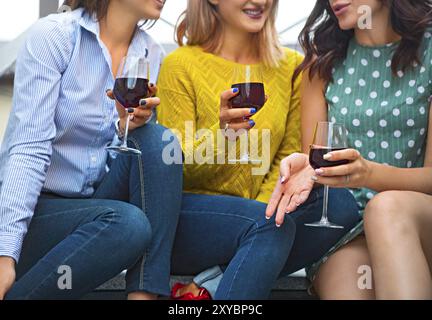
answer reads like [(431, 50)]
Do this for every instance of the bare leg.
[(398, 228), (338, 278)]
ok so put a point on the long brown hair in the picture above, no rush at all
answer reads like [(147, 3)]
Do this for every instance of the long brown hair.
[(201, 25), (326, 45)]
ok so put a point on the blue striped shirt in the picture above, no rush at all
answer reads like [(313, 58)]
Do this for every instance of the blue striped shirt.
[(61, 119)]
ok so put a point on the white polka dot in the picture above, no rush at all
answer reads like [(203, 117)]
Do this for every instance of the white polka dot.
[(384, 144), (409, 164), (398, 155), (421, 89), (415, 64), (386, 84), (358, 103), (412, 83), (333, 70), (422, 110), (340, 81), (388, 63), (427, 35), (362, 82), (370, 134), (422, 70), (354, 52), (400, 73), (344, 111), (369, 112), (377, 53), (373, 94), (396, 112), (335, 99), (410, 123), (422, 131), (398, 93), (383, 123), (358, 144), (364, 62), (384, 104), (356, 122), (411, 143), (351, 71), (348, 90), (409, 100), (419, 151), (371, 155), (333, 119), (397, 134), (369, 195), (376, 74)]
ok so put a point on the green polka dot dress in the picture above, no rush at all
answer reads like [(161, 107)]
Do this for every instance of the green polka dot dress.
[(386, 115)]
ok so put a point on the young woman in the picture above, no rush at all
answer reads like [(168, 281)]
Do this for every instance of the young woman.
[(66, 207), (377, 82), (222, 219)]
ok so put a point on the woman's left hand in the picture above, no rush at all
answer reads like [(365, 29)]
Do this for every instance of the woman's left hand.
[(355, 174)]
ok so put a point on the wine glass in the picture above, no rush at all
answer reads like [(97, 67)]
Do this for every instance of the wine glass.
[(249, 81), (328, 137), (131, 85)]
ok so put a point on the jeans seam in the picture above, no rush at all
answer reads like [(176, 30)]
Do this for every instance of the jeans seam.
[(143, 206), (239, 265), (110, 221)]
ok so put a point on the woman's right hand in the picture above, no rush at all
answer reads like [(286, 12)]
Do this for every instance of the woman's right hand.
[(234, 119), (293, 188), (7, 275)]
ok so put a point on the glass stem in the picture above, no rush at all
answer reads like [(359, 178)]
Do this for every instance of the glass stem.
[(324, 217), (125, 138)]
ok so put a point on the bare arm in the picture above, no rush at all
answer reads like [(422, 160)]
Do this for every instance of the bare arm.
[(313, 108)]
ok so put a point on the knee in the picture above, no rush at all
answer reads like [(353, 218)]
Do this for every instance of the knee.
[(132, 228), (279, 240), (384, 215)]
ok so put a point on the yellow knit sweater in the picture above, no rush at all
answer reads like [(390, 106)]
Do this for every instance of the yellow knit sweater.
[(190, 84)]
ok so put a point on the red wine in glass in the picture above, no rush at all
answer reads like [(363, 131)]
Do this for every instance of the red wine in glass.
[(328, 137), (251, 95), (129, 91), (131, 85), (316, 157)]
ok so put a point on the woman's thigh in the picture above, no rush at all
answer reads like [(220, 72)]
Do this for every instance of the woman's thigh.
[(56, 218), (210, 230), (346, 275)]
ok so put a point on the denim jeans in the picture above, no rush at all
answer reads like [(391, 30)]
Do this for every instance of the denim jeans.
[(233, 233), (129, 224)]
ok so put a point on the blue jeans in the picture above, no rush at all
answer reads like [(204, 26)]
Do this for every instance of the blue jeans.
[(129, 224), (232, 232)]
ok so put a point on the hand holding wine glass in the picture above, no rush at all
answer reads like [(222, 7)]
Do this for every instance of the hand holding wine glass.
[(141, 115), (131, 89), (354, 174)]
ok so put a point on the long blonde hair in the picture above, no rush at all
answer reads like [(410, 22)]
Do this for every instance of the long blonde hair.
[(201, 25)]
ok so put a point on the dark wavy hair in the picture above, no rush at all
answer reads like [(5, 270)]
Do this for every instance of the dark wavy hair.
[(326, 45), (98, 8)]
